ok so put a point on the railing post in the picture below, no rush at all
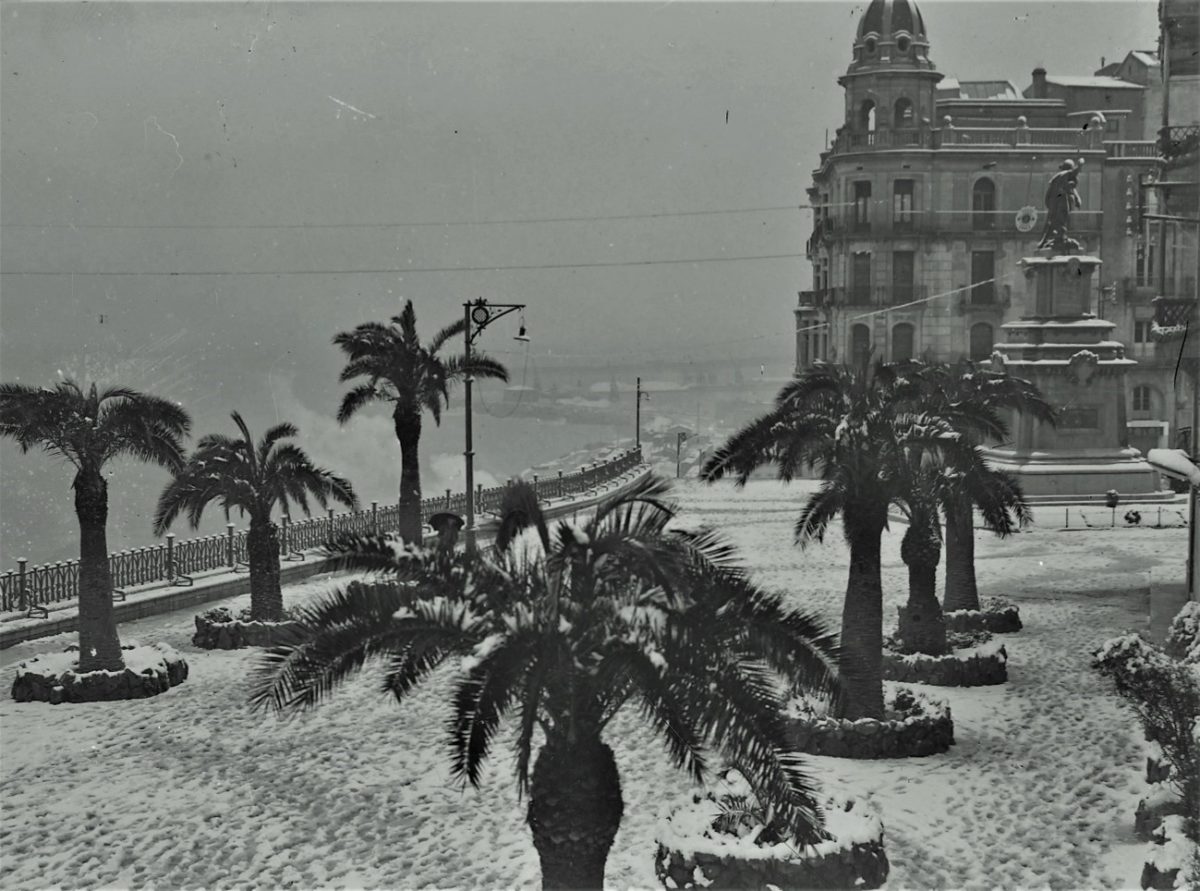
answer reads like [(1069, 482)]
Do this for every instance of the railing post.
[(331, 524), (447, 499), (478, 495), (374, 517), (171, 556), (21, 582), (229, 545), (560, 484)]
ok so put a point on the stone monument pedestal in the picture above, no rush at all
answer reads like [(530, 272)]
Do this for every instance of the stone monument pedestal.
[(1066, 352)]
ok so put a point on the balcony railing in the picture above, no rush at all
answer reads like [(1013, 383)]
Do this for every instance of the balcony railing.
[(969, 137), (998, 222), (1132, 149), (1177, 142)]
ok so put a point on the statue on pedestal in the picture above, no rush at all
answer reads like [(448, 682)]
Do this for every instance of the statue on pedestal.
[(1062, 196)]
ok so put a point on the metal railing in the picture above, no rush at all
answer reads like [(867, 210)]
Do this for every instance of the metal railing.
[(1176, 142), (172, 562)]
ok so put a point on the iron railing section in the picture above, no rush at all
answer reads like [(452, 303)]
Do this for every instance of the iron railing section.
[(1132, 149), (173, 561), (1177, 142), (975, 137)]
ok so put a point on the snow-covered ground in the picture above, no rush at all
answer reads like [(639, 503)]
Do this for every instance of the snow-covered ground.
[(191, 789)]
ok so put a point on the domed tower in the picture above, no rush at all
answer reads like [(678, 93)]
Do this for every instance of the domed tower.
[(890, 83)]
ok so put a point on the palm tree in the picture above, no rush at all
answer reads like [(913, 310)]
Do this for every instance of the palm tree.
[(561, 627), (965, 386), (939, 480), (851, 423), (254, 480), (412, 376), (90, 428)]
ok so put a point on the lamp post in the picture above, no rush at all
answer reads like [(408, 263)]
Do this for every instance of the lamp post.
[(638, 414), (477, 315), (680, 437)]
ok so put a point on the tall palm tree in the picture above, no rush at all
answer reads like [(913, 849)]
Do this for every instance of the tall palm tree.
[(851, 422), (412, 376), (254, 480), (561, 627), (963, 386), (89, 428)]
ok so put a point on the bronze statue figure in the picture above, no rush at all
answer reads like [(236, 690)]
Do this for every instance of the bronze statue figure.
[(1062, 196)]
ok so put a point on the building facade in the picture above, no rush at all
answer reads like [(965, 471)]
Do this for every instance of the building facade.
[(932, 190)]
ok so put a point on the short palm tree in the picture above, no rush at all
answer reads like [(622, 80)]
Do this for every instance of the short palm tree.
[(964, 391), (255, 480), (561, 627), (852, 424), (414, 378), (938, 481), (89, 428)]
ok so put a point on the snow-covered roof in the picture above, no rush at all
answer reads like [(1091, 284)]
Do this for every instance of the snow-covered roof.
[(1108, 83), (988, 89), (1174, 462), (1146, 57)]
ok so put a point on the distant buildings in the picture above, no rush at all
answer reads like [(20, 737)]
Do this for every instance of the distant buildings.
[(932, 190)]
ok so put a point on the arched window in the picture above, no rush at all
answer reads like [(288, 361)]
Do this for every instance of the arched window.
[(983, 204), (1143, 399), (902, 342), (860, 346), (866, 117), (983, 338), (903, 114)]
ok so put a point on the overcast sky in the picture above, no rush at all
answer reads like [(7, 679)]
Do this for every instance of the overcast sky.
[(206, 126), (263, 154)]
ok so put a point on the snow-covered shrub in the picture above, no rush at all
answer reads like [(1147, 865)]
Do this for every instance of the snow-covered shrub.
[(220, 629), (1183, 637), (1165, 694)]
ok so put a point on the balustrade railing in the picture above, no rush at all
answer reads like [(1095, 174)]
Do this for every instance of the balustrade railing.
[(175, 562)]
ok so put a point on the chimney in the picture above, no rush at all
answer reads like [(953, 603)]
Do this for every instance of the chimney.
[(1102, 61), (1039, 83)]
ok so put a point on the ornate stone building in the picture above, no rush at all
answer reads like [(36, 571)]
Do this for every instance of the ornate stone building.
[(931, 192)]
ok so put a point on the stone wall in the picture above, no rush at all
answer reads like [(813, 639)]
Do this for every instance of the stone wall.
[(961, 668), (914, 731), (858, 866), (215, 633)]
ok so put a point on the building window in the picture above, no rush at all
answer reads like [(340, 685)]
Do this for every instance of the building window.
[(902, 203), (1141, 331), (862, 206), (983, 204), (903, 113), (860, 278), (902, 276), (902, 342), (983, 275), (1142, 399), (983, 339), (866, 117), (860, 346)]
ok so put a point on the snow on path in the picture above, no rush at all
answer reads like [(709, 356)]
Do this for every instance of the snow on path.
[(190, 789)]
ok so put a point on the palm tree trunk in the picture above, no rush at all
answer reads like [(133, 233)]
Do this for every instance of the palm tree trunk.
[(860, 665), (407, 422), (575, 810), (262, 551), (922, 627), (961, 592), (99, 644)]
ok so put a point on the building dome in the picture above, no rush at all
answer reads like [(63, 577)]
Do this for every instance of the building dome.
[(891, 31)]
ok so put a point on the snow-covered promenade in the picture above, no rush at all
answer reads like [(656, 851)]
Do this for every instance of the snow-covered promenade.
[(190, 789)]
